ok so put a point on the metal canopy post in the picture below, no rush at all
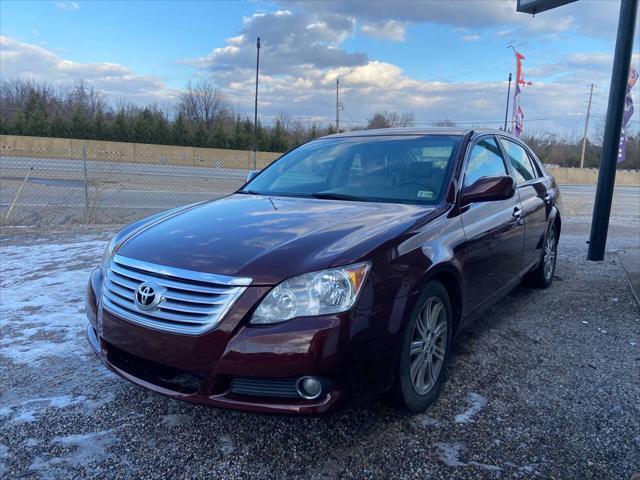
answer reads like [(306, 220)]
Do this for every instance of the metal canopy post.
[(613, 128)]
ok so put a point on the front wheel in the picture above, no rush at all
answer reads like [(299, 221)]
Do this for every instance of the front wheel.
[(542, 276), (425, 350)]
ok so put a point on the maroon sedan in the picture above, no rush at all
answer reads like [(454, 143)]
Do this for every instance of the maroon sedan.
[(342, 271)]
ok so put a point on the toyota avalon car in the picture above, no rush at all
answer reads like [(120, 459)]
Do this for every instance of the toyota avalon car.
[(341, 272)]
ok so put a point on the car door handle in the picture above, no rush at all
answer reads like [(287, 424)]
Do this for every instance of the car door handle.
[(517, 213)]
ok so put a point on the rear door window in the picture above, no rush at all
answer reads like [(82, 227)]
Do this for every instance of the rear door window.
[(519, 161)]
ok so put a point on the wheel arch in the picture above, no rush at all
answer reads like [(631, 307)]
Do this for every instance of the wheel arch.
[(449, 276), (557, 222)]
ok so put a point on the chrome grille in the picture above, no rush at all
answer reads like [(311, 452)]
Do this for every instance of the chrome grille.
[(192, 302)]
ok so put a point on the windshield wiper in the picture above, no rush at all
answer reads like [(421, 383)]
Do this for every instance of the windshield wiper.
[(338, 196)]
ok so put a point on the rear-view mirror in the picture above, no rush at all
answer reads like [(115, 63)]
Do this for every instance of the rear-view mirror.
[(252, 174)]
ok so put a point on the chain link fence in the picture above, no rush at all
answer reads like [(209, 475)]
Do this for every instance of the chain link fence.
[(71, 181)]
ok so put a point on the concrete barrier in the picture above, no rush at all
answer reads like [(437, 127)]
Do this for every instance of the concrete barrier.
[(43, 147), (589, 176)]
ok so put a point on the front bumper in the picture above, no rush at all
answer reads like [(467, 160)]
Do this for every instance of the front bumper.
[(200, 368)]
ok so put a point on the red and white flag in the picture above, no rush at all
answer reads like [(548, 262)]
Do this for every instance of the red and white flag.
[(518, 114)]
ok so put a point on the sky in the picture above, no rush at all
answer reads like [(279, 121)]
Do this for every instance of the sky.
[(434, 58)]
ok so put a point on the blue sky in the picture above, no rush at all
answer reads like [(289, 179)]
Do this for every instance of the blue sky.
[(434, 58)]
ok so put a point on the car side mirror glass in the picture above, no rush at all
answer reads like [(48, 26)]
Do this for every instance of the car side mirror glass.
[(487, 189), (252, 174)]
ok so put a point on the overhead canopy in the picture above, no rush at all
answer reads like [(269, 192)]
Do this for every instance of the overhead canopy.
[(537, 6)]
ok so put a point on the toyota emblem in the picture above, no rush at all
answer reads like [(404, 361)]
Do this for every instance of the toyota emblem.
[(147, 296)]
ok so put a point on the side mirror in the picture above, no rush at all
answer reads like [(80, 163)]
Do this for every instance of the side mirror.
[(252, 174), (487, 189)]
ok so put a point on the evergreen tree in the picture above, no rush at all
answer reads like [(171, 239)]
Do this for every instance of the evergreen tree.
[(120, 128), (79, 126), (236, 137), (313, 133), (143, 127), (4, 127), (279, 142), (36, 117), (180, 132), (99, 126), (200, 136), (219, 139), (58, 127), (19, 124), (161, 131)]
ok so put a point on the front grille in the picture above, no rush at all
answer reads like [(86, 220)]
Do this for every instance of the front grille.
[(190, 302), (265, 387)]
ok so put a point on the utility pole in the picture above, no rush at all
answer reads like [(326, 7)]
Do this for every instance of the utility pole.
[(506, 112), (586, 129), (612, 130), (255, 112), (337, 105)]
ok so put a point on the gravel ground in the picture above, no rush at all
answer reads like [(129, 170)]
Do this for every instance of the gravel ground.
[(545, 385)]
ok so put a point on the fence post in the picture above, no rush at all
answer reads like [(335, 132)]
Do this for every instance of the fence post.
[(86, 185)]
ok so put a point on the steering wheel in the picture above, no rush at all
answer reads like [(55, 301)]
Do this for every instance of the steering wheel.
[(420, 184)]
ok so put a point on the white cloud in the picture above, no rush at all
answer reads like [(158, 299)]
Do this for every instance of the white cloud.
[(388, 30), (472, 37), (66, 6), (594, 17), (290, 43), (19, 60)]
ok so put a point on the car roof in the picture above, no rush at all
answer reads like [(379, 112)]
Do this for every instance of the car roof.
[(419, 131)]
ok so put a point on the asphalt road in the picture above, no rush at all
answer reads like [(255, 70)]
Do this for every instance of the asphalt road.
[(54, 192), (545, 385)]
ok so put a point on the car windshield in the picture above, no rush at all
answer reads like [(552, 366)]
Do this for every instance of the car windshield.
[(397, 169)]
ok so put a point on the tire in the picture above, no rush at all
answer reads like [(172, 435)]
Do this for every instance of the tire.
[(418, 384), (542, 276)]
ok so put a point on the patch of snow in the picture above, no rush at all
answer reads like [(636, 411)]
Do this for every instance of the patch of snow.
[(449, 454), (426, 421), (174, 419), (28, 410), (43, 291), (225, 444), (476, 403), (86, 449)]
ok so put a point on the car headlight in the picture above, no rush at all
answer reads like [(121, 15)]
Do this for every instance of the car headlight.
[(318, 293), (106, 256)]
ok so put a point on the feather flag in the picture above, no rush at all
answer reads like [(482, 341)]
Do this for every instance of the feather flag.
[(518, 113), (626, 116)]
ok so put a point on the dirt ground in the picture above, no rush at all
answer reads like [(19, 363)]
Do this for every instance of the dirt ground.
[(545, 385)]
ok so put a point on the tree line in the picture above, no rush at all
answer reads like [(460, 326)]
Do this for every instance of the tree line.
[(203, 117)]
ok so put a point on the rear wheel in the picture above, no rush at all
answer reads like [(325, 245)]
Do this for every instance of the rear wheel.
[(542, 276), (425, 350)]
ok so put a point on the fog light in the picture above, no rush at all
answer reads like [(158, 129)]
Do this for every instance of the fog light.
[(309, 388)]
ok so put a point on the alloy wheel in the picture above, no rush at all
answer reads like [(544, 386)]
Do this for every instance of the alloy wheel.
[(550, 254), (428, 346)]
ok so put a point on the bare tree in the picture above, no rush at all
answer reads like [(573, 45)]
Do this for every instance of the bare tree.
[(15, 94), (444, 122), (204, 103), (388, 119), (85, 97)]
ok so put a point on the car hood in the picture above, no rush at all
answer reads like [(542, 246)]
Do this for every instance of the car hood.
[(268, 238)]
